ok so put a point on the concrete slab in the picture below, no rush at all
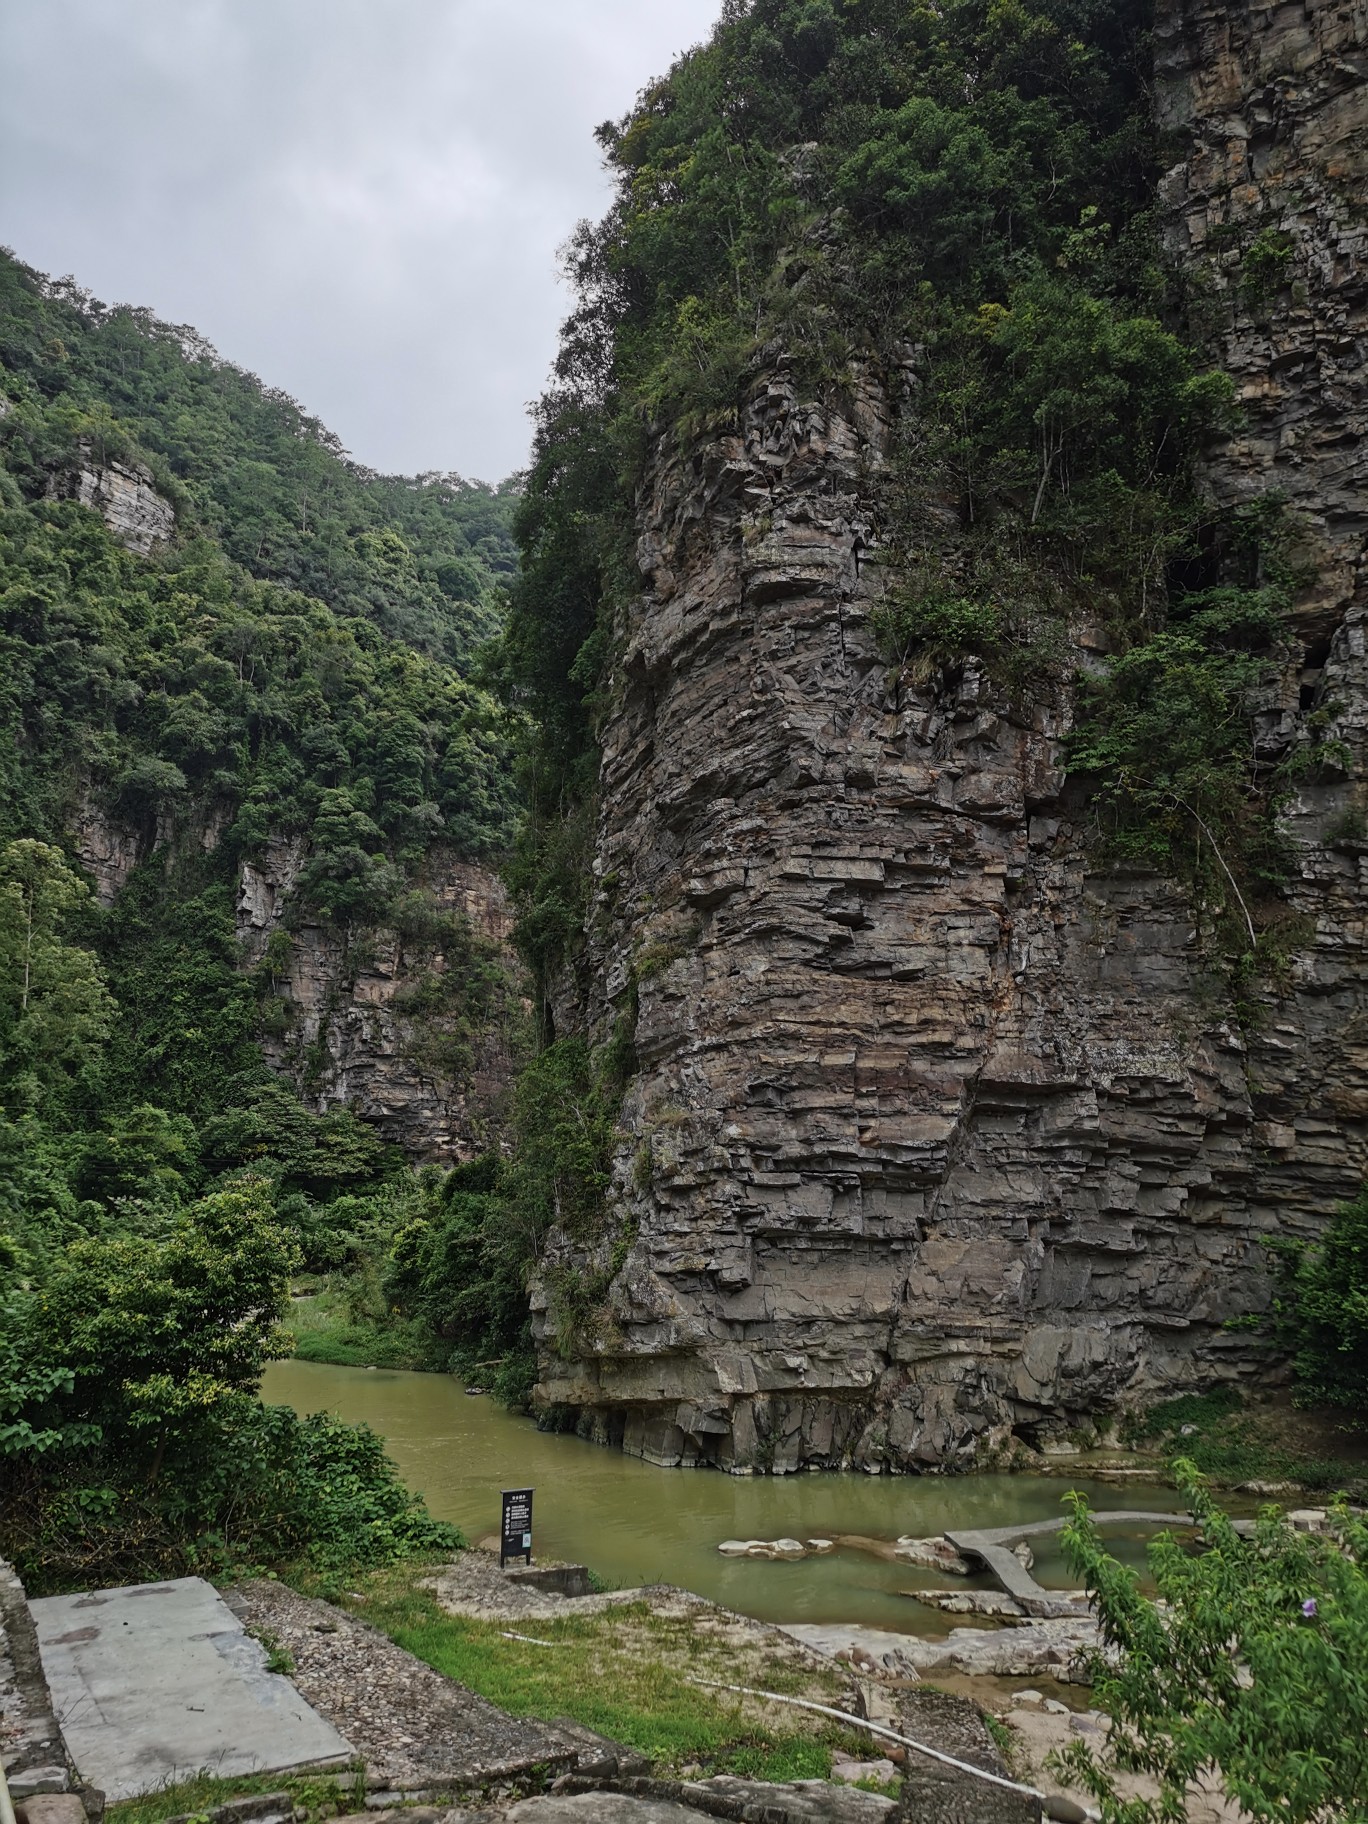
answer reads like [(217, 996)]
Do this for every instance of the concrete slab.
[(988, 1547), (159, 1682)]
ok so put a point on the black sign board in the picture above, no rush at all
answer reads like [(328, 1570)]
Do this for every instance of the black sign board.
[(515, 1535)]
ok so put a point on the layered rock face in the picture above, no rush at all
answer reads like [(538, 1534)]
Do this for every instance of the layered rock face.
[(362, 1021), (124, 496), (941, 1136), (356, 1029)]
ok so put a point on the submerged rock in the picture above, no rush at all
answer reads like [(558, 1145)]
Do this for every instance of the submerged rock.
[(933, 1555)]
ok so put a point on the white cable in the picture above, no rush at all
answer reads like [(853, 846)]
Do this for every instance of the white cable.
[(6, 1804), (905, 1741)]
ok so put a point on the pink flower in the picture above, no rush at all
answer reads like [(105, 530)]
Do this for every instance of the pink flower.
[(1309, 1608)]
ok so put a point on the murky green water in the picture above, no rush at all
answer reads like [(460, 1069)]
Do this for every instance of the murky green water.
[(634, 1523)]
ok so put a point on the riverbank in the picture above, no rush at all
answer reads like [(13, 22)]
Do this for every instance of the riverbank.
[(639, 1525), (643, 1668), (1258, 1446), (332, 1325), (626, 1665)]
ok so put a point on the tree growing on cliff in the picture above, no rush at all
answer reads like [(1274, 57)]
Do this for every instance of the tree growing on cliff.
[(55, 1012), (1321, 1310), (1246, 1673)]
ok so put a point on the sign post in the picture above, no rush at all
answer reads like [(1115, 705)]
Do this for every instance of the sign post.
[(515, 1534)]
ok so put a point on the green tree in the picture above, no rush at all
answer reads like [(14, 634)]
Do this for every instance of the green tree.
[(145, 1153), (55, 1012), (1247, 1667), (1321, 1310), (161, 1331)]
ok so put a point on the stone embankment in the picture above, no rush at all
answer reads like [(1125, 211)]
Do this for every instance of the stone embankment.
[(31, 1747)]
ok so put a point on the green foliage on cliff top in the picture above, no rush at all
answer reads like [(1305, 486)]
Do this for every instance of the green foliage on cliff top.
[(198, 709), (421, 556), (178, 688), (958, 198)]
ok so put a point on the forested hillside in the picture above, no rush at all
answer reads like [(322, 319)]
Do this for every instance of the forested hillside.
[(220, 640)]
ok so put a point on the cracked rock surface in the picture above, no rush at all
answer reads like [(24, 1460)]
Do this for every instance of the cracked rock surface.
[(944, 1140)]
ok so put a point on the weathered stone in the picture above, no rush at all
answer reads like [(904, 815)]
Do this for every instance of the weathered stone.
[(32, 1751), (970, 1602), (937, 1794), (942, 1137), (54, 1808), (1308, 1519), (28, 1783), (850, 1773), (932, 1555), (351, 1037), (125, 497)]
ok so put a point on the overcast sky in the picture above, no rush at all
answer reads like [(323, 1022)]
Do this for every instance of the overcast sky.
[(360, 200)]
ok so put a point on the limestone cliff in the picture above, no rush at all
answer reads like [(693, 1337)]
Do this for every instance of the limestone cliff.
[(351, 1030), (123, 494), (943, 1137), (368, 1020)]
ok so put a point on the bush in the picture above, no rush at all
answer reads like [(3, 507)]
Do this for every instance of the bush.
[(933, 626), (461, 1268), (263, 1489), (1252, 1668), (1321, 1311), (132, 1440), (323, 1492)]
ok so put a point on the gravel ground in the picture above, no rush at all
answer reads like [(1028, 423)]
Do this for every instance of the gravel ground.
[(474, 1585), (414, 1729)]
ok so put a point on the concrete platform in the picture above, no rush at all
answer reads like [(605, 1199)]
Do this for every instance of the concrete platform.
[(159, 1682)]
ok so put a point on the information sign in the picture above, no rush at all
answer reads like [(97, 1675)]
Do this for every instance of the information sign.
[(515, 1535)]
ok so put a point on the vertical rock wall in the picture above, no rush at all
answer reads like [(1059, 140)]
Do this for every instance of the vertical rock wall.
[(941, 1136), (355, 1022), (350, 1034), (125, 497)]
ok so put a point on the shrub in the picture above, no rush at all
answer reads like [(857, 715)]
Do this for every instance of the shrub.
[(1321, 1311), (1249, 1665)]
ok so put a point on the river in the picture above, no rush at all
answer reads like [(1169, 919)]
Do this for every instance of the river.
[(633, 1523)]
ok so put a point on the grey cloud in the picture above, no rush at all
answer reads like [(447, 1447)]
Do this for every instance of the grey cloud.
[(361, 200)]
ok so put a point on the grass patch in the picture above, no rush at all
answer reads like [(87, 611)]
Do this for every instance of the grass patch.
[(1232, 1443), (319, 1795), (326, 1330), (626, 1673)]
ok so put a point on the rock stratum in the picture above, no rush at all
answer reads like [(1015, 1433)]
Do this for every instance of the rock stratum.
[(943, 1139), (355, 1019)]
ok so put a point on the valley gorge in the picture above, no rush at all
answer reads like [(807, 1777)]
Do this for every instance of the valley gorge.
[(814, 932), (820, 926), (948, 1139)]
